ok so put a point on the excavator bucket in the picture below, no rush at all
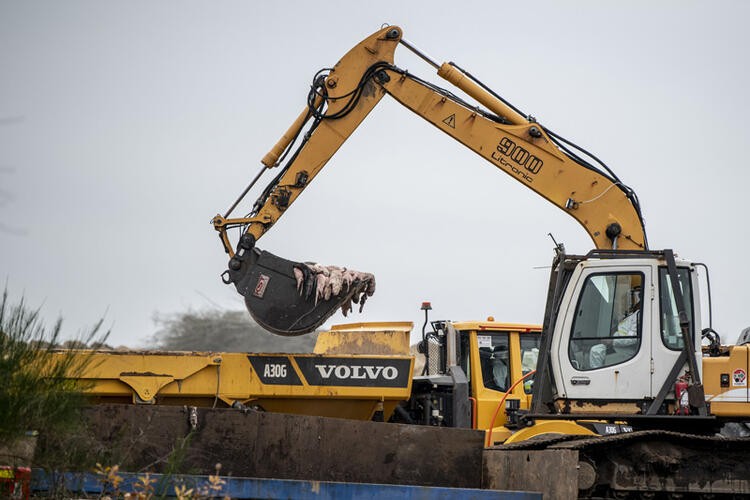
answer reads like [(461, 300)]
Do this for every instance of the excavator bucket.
[(293, 298)]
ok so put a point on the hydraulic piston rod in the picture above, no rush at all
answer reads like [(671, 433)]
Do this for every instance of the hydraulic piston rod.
[(457, 77)]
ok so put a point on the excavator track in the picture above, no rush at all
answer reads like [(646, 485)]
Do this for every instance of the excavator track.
[(654, 464)]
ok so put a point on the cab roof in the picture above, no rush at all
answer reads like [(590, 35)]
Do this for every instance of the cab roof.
[(492, 325)]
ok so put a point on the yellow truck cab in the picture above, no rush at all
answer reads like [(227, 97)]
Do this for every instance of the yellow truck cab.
[(472, 371), (499, 359)]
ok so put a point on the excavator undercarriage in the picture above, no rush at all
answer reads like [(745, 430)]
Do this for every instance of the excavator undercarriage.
[(646, 464)]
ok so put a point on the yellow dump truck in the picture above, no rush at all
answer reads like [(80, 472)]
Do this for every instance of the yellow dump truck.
[(361, 371)]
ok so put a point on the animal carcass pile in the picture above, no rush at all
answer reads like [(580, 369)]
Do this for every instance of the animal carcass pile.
[(317, 282)]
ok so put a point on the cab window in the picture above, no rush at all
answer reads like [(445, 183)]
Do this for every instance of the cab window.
[(670, 318), (529, 356), (464, 349), (608, 321), (494, 360)]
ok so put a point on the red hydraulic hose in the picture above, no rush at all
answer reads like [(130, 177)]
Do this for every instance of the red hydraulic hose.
[(473, 412), (502, 401)]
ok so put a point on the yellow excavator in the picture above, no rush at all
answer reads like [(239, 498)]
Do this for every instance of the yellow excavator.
[(340, 98), (622, 351)]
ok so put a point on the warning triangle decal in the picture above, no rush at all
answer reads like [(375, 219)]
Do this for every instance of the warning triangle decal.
[(451, 121)]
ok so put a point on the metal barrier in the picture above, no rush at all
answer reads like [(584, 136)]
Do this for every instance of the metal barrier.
[(244, 488)]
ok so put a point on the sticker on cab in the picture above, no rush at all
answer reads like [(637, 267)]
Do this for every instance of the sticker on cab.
[(484, 340), (739, 378)]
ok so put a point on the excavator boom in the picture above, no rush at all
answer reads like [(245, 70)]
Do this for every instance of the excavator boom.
[(339, 100)]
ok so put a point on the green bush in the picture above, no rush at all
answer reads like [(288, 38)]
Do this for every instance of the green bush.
[(37, 390)]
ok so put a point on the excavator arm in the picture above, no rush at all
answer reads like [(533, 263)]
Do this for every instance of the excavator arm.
[(337, 104), (340, 99)]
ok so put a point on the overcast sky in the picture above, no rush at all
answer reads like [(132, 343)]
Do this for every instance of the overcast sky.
[(125, 126)]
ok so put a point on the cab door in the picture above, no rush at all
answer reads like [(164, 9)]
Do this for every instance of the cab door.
[(667, 342), (491, 379), (602, 345)]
